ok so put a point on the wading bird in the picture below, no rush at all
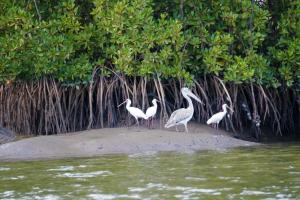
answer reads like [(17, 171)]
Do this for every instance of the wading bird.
[(151, 111), (135, 112), (183, 115), (216, 118)]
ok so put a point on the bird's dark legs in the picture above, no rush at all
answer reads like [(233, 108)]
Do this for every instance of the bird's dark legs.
[(149, 122), (214, 126), (218, 129), (137, 122), (129, 124), (152, 122)]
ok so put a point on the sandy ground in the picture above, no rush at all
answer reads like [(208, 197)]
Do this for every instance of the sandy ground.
[(130, 140)]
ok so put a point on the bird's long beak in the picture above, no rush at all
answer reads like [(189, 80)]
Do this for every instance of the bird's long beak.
[(230, 109), (195, 97), (121, 104)]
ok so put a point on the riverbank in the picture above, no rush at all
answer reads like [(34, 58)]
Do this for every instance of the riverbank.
[(132, 140)]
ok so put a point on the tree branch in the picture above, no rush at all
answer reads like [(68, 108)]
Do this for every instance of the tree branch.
[(37, 10)]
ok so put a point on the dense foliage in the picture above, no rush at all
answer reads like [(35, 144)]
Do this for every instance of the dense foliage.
[(239, 41), (72, 61)]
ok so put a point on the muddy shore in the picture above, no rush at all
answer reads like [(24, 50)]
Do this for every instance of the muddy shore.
[(124, 140)]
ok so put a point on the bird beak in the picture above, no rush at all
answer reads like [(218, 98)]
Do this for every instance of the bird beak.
[(122, 103), (195, 97), (230, 109)]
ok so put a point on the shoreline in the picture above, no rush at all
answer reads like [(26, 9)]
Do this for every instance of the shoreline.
[(110, 141)]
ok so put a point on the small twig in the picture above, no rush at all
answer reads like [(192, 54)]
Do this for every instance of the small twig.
[(37, 10)]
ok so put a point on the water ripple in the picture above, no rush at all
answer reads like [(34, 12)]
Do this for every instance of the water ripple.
[(196, 178), (85, 175), (7, 194), (113, 196), (63, 168), (4, 168), (136, 189), (254, 192), (13, 178), (185, 190)]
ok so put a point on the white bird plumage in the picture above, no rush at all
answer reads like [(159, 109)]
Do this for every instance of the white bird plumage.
[(151, 111), (183, 115), (135, 112), (216, 118)]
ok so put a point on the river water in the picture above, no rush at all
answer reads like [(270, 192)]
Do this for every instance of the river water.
[(265, 172)]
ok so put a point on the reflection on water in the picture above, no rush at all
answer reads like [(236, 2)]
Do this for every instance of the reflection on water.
[(268, 172)]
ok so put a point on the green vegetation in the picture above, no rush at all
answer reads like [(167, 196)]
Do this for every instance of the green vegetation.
[(246, 44), (239, 41)]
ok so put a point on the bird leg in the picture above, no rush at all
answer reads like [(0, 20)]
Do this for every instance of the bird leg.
[(149, 122), (152, 122), (186, 129), (129, 124), (176, 128), (137, 122)]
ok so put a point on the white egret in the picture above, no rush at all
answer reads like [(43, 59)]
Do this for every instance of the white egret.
[(151, 111), (135, 112), (183, 115), (216, 118)]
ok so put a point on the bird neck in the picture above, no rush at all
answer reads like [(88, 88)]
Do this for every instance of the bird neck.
[(190, 106), (128, 104), (155, 104), (224, 110)]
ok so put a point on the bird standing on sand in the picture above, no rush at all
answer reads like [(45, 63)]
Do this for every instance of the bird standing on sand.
[(151, 111), (183, 115), (135, 112), (216, 118)]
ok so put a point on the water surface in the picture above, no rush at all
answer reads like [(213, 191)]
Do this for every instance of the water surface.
[(267, 172)]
